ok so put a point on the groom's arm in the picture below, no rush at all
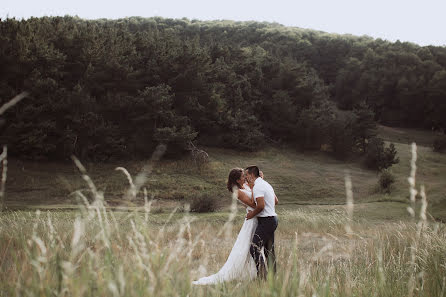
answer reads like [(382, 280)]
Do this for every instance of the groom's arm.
[(259, 207), (245, 199)]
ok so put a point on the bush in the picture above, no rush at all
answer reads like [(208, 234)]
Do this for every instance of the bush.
[(386, 179), (439, 144), (379, 157), (203, 203), (199, 156)]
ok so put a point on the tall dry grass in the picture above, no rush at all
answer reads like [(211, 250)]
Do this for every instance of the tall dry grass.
[(96, 252), (4, 154)]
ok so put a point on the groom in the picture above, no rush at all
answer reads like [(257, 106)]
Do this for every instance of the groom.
[(266, 200)]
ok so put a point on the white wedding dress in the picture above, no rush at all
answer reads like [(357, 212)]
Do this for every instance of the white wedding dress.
[(240, 265)]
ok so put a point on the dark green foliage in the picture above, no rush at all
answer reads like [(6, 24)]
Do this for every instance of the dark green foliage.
[(245, 132), (439, 144), (314, 124), (378, 156), (105, 89), (341, 134), (157, 122), (386, 179), (365, 126), (203, 203)]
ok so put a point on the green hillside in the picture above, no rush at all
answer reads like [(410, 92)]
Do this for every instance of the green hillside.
[(299, 178)]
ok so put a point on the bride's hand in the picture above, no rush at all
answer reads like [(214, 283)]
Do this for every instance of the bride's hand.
[(249, 215)]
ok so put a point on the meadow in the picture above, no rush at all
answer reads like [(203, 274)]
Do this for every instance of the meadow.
[(63, 234)]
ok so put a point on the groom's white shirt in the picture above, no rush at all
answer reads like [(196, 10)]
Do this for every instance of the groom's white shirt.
[(263, 189)]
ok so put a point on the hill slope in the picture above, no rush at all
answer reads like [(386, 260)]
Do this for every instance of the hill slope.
[(298, 178)]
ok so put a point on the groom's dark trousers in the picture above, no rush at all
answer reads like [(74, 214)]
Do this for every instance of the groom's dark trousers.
[(264, 237)]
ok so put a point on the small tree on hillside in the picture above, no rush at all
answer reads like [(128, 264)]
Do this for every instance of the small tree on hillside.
[(385, 181), (365, 126), (379, 157)]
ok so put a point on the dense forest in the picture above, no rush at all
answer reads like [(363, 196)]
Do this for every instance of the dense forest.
[(108, 89)]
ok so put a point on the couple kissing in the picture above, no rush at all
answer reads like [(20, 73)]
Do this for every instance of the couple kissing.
[(253, 252)]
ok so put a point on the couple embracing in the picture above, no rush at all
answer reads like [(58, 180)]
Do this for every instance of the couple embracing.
[(254, 245)]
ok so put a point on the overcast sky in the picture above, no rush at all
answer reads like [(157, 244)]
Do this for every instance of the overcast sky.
[(421, 21)]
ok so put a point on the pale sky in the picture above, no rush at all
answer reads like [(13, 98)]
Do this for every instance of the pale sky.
[(422, 21)]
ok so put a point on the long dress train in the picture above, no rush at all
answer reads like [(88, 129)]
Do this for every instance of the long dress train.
[(239, 265)]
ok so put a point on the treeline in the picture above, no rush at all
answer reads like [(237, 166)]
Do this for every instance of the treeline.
[(107, 89)]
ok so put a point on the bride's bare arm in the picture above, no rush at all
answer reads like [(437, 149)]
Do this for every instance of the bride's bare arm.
[(245, 199)]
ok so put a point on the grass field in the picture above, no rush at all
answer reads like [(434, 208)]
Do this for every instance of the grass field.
[(93, 252), (67, 249)]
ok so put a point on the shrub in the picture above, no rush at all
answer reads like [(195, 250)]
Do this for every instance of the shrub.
[(439, 144), (199, 157), (203, 203), (378, 156), (386, 179)]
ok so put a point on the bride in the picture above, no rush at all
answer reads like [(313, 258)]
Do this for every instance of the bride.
[(240, 264)]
